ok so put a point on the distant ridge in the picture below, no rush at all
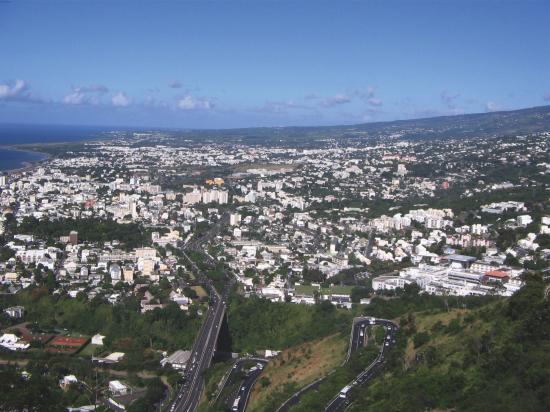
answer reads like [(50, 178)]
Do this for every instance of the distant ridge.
[(536, 119), (494, 124)]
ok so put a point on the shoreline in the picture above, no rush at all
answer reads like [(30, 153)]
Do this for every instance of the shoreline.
[(26, 164)]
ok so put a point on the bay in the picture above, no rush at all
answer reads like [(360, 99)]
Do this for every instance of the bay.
[(15, 159), (13, 134)]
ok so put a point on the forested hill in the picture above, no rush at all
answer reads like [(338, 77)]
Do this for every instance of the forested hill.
[(496, 358)]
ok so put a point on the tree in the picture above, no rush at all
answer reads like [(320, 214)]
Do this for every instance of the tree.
[(445, 294), (421, 339), (38, 293), (497, 288), (81, 296), (426, 298)]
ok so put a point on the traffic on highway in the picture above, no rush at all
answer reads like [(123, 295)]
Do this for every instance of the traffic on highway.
[(188, 397), (341, 401)]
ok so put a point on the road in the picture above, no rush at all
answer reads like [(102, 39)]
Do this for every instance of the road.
[(358, 333), (369, 244), (316, 238), (245, 387), (356, 341), (340, 402), (196, 244), (189, 396)]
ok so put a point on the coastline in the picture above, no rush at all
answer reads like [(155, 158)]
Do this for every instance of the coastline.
[(26, 165)]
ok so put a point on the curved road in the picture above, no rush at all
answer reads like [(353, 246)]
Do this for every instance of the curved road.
[(357, 340), (245, 387), (341, 401)]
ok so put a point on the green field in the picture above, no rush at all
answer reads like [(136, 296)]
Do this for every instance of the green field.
[(89, 349), (343, 290)]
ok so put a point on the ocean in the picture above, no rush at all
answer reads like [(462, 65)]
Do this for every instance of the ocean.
[(13, 134)]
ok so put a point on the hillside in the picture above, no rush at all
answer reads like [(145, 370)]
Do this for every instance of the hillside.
[(496, 358), (485, 355)]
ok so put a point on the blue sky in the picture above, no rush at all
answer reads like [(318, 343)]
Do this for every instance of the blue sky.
[(225, 64)]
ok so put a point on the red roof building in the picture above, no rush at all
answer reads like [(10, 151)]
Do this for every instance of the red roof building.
[(496, 276)]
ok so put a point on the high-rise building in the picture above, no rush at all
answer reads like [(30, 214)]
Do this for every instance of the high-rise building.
[(223, 198)]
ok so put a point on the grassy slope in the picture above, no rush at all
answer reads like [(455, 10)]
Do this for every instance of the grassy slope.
[(300, 365)]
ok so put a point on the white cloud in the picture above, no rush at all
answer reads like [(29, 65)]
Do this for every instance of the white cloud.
[(7, 92), (93, 88), (375, 102), (375, 110), (335, 100), (150, 101), (494, 107), (175, 83), (119, 99), (33, 97), (73, 98), (189, 103), (368, 93)]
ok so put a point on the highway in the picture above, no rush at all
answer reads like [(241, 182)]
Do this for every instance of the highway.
[(341, 401), (358, 335), (189, 396), (245, 387)]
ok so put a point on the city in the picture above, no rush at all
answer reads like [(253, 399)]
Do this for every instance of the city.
[(158, 228)]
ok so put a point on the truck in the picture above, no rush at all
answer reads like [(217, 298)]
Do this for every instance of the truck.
[(344, 392), (361, 333)]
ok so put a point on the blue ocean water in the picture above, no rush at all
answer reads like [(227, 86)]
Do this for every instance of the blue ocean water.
[(15, 159), (12, 134)]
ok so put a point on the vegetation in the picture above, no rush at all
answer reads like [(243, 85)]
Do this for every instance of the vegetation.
[(126, 329), (258, 323), (495, 358), (295, 368), (89, 229)]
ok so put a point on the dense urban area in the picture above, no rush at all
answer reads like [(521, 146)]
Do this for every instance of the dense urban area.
[(118, 254)]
